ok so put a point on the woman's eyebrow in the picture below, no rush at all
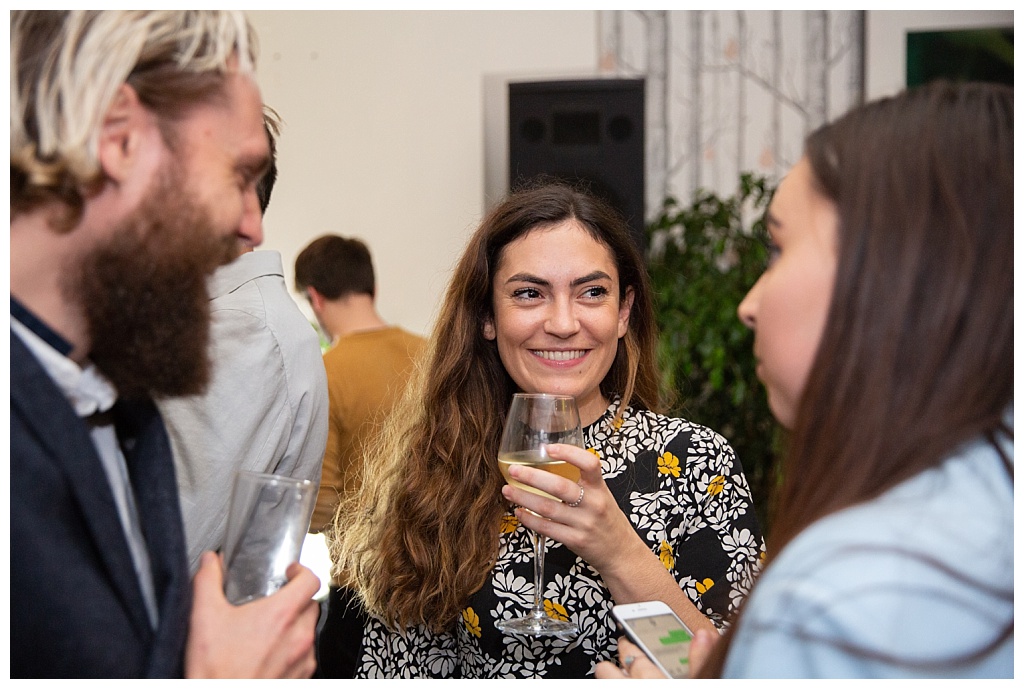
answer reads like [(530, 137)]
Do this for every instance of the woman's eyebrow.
[(590, 277), (527, 277)]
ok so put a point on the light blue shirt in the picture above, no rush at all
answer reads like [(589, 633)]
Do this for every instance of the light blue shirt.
[(922, 573)]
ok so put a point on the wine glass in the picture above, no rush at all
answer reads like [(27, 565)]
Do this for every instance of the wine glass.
[(534, 421)]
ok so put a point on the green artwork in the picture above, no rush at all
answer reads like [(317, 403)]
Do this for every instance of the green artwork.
[(964, 55)]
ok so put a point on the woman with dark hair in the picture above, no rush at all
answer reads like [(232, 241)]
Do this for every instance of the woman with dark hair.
[(884, 335), (550, 296)]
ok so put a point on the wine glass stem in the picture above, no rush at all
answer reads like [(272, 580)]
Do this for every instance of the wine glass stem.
[(539, 541)]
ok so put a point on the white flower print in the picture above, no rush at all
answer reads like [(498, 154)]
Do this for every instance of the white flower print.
[(742, 543), (507, 585)]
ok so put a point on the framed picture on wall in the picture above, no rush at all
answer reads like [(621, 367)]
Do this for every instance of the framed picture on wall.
[(960, 55), (911, 45)]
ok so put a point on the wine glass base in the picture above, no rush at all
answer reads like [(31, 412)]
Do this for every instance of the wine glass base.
[(543, 626)]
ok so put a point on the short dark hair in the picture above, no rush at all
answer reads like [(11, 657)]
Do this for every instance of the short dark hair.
[(335, 267), (265, 185)]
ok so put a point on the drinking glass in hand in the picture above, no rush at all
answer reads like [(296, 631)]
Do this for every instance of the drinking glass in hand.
[(267, 522), (535, 421)]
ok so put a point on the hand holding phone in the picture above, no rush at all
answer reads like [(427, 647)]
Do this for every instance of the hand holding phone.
[(659, 633)]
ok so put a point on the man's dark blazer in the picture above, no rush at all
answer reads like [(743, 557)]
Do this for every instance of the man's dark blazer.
[(76, 605)]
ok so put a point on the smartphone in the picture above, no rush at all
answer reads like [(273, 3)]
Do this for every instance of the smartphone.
[(659, 633)]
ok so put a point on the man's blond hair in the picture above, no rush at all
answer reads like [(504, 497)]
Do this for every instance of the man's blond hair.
[(67, 67)]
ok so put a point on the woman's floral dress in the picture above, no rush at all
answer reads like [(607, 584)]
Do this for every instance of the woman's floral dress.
[(683, 490)]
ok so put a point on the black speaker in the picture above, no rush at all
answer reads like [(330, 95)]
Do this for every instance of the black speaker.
[(589, 131)]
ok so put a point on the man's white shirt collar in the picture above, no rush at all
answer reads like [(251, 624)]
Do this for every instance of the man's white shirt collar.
[(86, 389)]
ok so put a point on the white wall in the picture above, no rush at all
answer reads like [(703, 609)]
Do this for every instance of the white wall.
[(384, 130), (396, 131)]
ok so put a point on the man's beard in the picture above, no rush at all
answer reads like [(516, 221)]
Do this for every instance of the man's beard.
[(143, 293)]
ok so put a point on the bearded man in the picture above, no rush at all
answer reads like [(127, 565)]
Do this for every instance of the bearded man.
[(137, 141)]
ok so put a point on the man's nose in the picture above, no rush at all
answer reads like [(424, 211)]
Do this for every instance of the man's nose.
[(250, 227)]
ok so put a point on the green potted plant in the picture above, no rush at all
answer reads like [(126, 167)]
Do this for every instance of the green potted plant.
[(702, 260)]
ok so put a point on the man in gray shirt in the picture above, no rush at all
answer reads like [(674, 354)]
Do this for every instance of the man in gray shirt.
[(265, 408)]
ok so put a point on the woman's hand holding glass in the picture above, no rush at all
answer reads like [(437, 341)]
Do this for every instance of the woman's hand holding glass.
[(584, 517), (532, 423)]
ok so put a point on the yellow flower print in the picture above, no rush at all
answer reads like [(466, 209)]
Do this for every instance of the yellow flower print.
[(509, 523), (668, 464), (703, 586), (555, 610), (666, 556), (618, 423), (593, 451), (472, 622), (717, 485)]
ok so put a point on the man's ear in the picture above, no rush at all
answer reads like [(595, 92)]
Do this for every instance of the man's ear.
[(488, 329), (121, 133), (316, 300)]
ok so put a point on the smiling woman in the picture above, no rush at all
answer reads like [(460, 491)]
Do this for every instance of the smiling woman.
[(550, 296), (557, 314)]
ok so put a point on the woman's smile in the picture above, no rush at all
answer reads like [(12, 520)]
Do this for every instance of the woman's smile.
[(560, 356)]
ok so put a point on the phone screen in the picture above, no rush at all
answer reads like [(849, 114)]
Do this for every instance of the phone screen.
[(666, 640)]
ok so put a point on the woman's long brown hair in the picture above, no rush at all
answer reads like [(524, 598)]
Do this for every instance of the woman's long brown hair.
[(422, 534), (917, 352)]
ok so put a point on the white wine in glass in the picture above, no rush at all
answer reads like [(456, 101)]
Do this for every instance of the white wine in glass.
[(535, 421), (538, 460)]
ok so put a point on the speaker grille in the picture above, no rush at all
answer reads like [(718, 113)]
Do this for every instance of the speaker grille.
[(589, 131)]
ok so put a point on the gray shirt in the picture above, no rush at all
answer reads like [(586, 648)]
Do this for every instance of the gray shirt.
[(266, 406)]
